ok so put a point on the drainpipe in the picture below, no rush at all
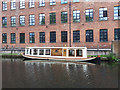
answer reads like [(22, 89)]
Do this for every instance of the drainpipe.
[(69, 23)]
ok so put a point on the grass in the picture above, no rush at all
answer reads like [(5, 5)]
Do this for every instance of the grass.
[(10, 54), (97, 55)]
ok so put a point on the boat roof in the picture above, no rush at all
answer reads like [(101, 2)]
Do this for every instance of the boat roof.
[(59, 47)]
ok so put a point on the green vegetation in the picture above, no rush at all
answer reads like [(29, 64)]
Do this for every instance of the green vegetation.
[(109, 57), (11, 55), (97, 55), (112, 57)]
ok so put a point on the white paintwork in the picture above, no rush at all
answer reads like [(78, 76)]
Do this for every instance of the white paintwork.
[(75, 52)]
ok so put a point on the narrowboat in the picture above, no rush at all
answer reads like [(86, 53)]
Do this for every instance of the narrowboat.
[(57, 53)]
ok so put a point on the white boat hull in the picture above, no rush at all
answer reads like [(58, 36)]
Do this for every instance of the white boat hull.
[(75, 59)]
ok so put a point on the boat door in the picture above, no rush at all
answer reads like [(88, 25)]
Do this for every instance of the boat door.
[(64, 52)]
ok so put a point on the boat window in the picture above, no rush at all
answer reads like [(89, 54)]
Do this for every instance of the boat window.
[(71, 52), (48, 52), (30, 51), (78, 52), (35, 52), (41, 52), (56, 50), (27, 51)]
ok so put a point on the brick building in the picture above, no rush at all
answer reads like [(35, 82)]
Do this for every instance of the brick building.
[(91, 24)]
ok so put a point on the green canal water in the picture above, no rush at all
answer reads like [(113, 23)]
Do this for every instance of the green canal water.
[(17, 73)]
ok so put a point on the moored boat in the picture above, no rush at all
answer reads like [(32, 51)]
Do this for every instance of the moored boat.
[(57, 53)]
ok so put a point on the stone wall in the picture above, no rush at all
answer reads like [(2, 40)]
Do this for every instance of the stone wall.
[(116, 48)]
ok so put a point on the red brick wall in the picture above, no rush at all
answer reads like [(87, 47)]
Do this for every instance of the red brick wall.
[(96, 25)]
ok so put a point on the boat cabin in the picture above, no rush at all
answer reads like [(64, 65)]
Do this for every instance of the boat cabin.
[(72, 52)]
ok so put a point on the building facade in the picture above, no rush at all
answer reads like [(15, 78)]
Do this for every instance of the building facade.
[(75, 23)]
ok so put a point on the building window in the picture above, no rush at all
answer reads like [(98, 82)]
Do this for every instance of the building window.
[(76, 0), (63, 1), (13, 4), (117, 34), (22, 37), (76, 36), (42, 19), (13, 21), (32, 37), (103, 35), (41, 3), (31, 20), (13, 38), (117, 12), (103, 14), (42, 37), (52, 37), (22, 20), (4, 21), (4, 38), (4, 5), (89, 15), (22, 4), (63, 36), (63, 17), (31, 3), (52, 18), (89, 35), (76, 16), (52, 2)]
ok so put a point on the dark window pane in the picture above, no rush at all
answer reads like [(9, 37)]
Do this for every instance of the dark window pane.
[(42, 37), (32, 37), (52, 18), (4, 38), (89, 35), (13, 38), (4, 21), (117, 34), (103, 35), (63, 17), (104, 13), (64, 36), (76, 36), (22, 37), (53, 37)]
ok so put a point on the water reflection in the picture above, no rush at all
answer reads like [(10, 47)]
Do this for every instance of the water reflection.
[(47, 74)]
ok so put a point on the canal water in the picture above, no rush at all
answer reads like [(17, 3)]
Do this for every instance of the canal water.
[(17, 73)]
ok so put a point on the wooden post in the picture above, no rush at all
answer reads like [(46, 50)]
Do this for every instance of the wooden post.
[(75, 52), (32, 51), (38, 52)]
